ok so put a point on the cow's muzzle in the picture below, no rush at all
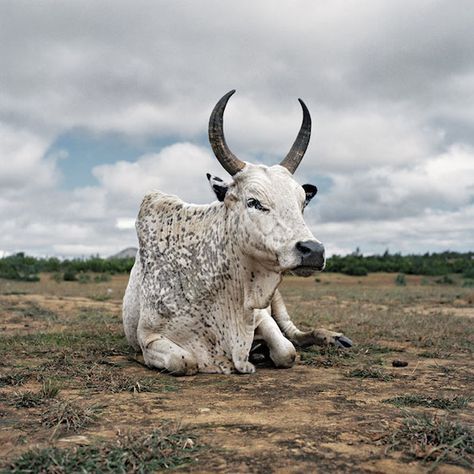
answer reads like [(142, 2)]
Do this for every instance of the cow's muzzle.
[(312, 257)]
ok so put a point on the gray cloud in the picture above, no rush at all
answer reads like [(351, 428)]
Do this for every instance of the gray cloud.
[(388, 84)]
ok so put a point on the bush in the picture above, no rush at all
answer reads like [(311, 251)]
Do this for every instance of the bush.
[(83, 278), (102, 277), (57, 277), (357, 270), (400, 280), (469, 273), (445, 280), (70, 275), (19, 267)]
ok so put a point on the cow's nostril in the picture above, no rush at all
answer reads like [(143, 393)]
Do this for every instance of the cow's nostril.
[(302, 248)]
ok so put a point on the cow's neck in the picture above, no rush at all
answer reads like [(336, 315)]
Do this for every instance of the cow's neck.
[(259, 286), (255, 283)]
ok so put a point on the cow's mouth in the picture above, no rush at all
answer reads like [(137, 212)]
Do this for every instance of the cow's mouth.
[(306, 270)]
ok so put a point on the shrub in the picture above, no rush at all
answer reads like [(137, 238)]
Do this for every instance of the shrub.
[(468, 273), (445, 280), (400, 280), (356, 270), (83, 278), (70, 275)]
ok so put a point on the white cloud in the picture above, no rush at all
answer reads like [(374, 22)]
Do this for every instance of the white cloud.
[(387, 84), (22, 160)]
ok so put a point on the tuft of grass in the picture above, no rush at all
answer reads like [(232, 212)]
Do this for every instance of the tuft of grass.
[(100, 297), (35, 311), (14, 379), (400, 280), (28, 399), (434, 440), (326, 356), (68, 416), (370, 373), (166, 447), (443, 403), (116, 382), (437, 354), (445, 280)]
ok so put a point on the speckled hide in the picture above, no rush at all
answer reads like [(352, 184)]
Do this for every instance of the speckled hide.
[(205, 275)]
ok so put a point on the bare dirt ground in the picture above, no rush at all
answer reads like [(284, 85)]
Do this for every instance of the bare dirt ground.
[(69, 381)]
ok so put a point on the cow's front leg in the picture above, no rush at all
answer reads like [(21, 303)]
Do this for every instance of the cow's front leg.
[(319, 337), (160, 352), (282, 351), (164, 354), (241, 347)]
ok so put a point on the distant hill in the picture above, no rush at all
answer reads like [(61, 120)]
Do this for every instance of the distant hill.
[(129, 252)]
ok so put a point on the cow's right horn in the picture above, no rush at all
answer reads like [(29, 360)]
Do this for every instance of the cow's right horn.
[(295, 155), (216, 137)]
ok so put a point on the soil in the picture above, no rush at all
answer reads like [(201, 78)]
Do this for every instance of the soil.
[(314, 417)]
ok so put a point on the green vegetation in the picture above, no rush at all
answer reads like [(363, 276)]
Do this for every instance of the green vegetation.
[(68, 416), (443, 403), (434, 264), (22, 267), (370, 373), (434, 439), (28, 399), (166, 447), (400, 280)]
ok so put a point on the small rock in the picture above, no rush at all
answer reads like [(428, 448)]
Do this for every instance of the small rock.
[(204, 410), (79, 440), (188, 443), (399, 363)]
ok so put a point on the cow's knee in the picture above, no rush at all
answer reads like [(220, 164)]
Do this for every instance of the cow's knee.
[(164, 354), (284, 355)]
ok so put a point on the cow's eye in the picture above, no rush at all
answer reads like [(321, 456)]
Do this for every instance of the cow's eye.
[(252, 202)]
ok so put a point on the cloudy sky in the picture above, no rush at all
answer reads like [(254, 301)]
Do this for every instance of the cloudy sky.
[(101, 101)]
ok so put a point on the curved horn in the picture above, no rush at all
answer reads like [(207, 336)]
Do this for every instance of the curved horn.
[(295, 155), (216, 137)]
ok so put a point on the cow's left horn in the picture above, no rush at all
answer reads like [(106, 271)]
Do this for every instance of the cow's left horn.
[(295, 155), (216, 137)]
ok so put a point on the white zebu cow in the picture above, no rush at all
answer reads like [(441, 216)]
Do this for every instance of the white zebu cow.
[(204, 284)]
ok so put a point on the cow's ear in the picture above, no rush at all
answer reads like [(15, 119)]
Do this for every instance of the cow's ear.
[(310, 191), (218, 186)]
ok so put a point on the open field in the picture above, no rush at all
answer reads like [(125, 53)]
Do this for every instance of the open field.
[(72, 393)]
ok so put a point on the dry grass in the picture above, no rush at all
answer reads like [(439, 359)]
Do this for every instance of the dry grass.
[(28, 399), (165, 447), (84, 352), (68, 416), (434, 440), (443, 403)]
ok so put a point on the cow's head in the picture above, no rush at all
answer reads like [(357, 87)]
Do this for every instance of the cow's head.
[(266, 204)]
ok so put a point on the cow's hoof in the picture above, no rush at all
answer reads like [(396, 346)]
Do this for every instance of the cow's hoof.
[(342, 341), (244, 367)]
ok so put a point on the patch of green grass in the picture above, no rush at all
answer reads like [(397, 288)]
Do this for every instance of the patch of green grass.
[(445, 280), (28, 399), (166, 447), (434, 440), (400, 280), (100, 297), (33, 310), (100, 374), (326, 356), (102, 343), (443, 403), (437, 354), (370, 373), (14, 378), (115, 381), (68, 416)]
